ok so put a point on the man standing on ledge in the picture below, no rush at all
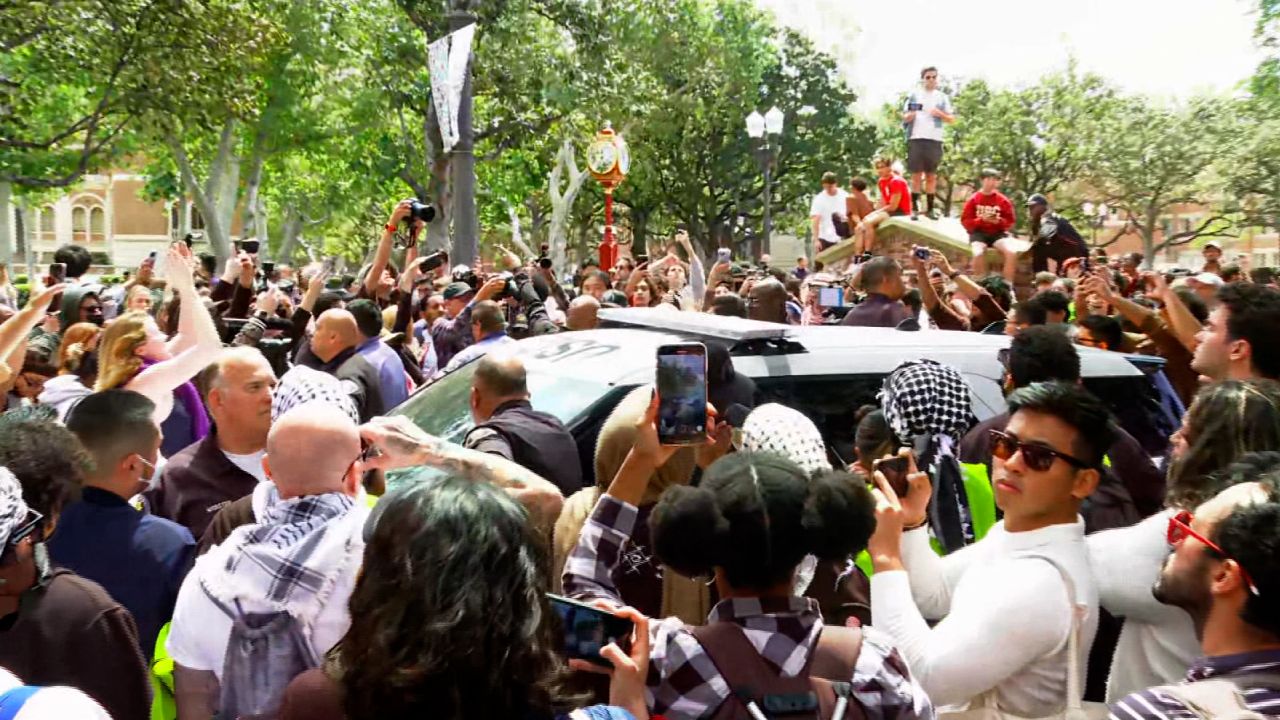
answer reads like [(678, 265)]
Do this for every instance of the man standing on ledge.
[(926, 111)]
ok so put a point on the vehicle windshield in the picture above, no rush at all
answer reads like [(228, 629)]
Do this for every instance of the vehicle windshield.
[(443, 409)]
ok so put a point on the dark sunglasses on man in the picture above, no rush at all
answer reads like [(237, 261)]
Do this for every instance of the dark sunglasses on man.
[(29, 526), (1180, 529), (1037, 457)]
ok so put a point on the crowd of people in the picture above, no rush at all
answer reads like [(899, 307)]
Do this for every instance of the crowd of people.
[(195, 520)]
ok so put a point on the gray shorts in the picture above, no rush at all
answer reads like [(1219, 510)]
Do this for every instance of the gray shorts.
[(924, 156)]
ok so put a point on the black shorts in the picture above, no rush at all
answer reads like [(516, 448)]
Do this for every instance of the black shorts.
[(987, 239), (924, 156)]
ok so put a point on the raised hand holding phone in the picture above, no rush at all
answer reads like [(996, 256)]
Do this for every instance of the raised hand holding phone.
[(682, 394)]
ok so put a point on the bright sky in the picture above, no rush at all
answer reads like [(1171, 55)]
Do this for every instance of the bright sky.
[(1163, 48)]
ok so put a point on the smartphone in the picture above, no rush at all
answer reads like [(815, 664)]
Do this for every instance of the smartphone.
[(1084, 264), (329, 264), (724, 255), (895, 471), (249, 246), (57, 273), (189, 240), (682, 394), (209, 263), (641, 259), (921, 253), (831, 297), (915, 107), (268, 268), (586, 629)]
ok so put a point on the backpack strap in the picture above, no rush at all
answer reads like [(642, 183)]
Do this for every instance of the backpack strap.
[(814, 691), (1221, 697), (13, 699)]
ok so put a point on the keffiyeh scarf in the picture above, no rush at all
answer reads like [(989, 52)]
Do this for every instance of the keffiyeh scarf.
[(13, 509), (927, 405), (291, 559)]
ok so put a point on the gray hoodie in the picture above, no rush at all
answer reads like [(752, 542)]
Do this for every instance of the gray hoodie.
[(62, 393)]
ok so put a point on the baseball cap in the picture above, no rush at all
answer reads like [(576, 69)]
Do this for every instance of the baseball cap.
[(13, 509), (1207, 278), (1212, 244), (990, 173), (457, 290), (1037, 199)]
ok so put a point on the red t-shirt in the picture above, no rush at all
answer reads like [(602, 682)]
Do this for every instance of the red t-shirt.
[(895, 184), (988, 214)]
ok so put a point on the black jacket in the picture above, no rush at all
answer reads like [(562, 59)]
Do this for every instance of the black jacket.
[(532, 439), (359, 379)]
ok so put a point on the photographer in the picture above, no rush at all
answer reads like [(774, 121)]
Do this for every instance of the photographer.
[(452, 333), (379, 282)]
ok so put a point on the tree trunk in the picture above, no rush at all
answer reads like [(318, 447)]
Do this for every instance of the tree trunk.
[(439, 186), (537, 220), (562, 200), (517, 239), (254, 218), (217, 231), (6, 224), (290, 228), (25, 222)]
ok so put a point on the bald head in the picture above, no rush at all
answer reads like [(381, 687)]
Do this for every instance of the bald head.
[(583, 313), (336, 331), (498, 379), (238, 390), (310, 451)]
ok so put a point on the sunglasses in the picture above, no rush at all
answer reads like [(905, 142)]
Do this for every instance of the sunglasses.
[(1180, 529), (1037, 457), (33, 521)]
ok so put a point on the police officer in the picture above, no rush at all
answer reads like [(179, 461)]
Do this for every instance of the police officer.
[(1052, 236), (507, 425)]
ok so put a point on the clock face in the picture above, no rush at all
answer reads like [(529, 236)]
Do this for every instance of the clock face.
[(624, 157), (602, 156)]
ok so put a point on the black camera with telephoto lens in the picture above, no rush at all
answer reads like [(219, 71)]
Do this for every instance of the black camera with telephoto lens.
[(426, 212)]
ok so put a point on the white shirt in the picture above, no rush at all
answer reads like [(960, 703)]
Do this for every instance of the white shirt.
[(251, 463), (822, 206), (1158, 642), (199, 631), (926, 126), (1005, 615)]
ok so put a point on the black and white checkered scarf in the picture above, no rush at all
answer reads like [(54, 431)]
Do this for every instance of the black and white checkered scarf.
[(292, 558), (927, 405)]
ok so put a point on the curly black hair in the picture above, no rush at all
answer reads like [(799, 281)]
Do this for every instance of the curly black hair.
[(1251, 536), (46, 458), (756, 515), (1041, 353), (448, 618)]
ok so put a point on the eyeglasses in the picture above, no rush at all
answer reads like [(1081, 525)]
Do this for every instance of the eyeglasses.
[(8, 554), (1180, 529), (1038, 457)]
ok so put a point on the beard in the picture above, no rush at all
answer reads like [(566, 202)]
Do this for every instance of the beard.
[(1187, 589)]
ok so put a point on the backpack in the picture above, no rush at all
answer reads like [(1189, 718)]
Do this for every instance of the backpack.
[(1221, 698), (12, 700), (265, 652), (821, 690)]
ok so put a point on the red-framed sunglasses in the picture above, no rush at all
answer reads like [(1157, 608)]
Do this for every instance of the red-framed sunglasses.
[(1180, 529)]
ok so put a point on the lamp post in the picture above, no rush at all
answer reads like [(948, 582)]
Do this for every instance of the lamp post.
[(763, 129), (1096, 215), (609, 161)]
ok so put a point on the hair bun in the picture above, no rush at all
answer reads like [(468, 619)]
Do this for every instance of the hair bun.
[(839, 516), (688, 530)]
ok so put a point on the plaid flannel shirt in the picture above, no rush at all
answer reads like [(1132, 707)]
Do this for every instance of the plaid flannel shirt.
[(684, 682)]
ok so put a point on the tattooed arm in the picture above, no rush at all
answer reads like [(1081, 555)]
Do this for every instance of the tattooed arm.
[(401, 444)]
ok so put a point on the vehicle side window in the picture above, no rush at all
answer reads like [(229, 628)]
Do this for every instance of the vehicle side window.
[(830, 401)]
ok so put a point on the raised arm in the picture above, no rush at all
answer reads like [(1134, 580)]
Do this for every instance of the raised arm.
[(382, 255), (157, 381), (1184, 325), (14, 332)]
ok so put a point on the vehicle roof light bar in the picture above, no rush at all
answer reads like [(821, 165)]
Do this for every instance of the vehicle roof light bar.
[(704, 324)]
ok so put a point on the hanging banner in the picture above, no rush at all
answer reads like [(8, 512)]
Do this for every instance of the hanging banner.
[(447, 60), (438, 66)]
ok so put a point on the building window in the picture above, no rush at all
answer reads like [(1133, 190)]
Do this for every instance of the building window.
[(175, 219), (79, 220), (98, 222), (197, 220), (45, 219)]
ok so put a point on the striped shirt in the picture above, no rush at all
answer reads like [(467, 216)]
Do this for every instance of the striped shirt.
[(684, 683), (1158, 705)]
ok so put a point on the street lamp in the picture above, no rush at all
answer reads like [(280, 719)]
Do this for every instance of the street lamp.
[(761, 129), (1097, 216)]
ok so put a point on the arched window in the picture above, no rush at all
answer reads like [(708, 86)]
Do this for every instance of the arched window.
[(197, 220), (98, 223), (88, 220), (79, 221), (45, 219)]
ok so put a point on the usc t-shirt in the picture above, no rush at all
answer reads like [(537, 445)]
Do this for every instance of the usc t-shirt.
[(895, 184)]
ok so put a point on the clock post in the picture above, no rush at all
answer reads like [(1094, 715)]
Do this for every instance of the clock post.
[(608, 160)]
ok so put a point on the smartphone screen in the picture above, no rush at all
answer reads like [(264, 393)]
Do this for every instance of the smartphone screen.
[(57, 272), (895, 471), (586, 630), (682, 394), (249, 246), (724, 254), (831, 297)]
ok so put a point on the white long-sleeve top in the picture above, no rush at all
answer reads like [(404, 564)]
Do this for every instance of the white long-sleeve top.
[(1005, 615), (1158, 642)]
